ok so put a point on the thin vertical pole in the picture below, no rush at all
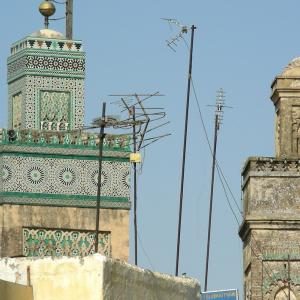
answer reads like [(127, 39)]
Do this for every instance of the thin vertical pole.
[(289, 277), (101, 138), (69, 19), (262, 280), (46, 22), (184, 147), (135, 189), (211, 200)]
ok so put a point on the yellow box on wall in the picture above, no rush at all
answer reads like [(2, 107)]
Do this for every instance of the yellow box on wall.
[(135, 157)]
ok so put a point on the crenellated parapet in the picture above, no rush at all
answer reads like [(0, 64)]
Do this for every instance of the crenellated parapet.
[(40, 55), (271, 164), (35, 41)]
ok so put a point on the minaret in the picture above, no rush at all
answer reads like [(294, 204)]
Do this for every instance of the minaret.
[(46, 80), (49, 165), (286, 99), (271, 200)]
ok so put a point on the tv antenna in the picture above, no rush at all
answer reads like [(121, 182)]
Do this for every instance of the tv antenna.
[(220, 104), (183, 29), (171, 43), (142, 120)]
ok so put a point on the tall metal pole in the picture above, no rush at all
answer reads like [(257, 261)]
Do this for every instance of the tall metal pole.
[(101, 138), (46, 22), (135, 189), (211, 198), (69, 19), (289, 277), (184, 147)]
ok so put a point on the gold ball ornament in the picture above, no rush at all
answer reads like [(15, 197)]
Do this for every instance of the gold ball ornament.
[(47, 9)]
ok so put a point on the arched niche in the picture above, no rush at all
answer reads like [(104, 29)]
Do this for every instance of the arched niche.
[(283, 294)]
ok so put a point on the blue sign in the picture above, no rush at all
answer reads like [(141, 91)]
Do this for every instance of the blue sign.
[(220, 295)]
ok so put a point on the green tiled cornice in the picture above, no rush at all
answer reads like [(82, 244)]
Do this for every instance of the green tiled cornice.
[(45, 73), (63, 200), (63, 156)]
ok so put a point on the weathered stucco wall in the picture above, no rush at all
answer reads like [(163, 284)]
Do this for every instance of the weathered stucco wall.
[(123, 281), (271, 227), (14, 217), (95, 278)]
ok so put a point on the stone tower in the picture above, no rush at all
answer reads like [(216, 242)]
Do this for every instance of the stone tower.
[(49, 164), (46, 82), (271, 189)]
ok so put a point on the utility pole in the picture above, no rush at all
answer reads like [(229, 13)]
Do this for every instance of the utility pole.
[(289, 277), (134, 186), (218, 119), (184, 148), (139, 119), (69, 19), (101, 138)]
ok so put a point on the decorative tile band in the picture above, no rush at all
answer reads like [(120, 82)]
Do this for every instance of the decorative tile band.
[(76, 139), (34, 64), (63, 202), (60, 176), (47, 44), (41, 242), (44, 53), (272, 165), (31, 87)]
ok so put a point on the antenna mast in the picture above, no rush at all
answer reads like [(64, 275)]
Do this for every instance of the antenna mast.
[(140, 119), (100, 159), (218, 120), (69, 19), (171, 43)]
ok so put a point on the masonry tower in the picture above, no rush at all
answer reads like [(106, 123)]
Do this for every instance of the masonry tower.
[(49, 164), (271, 189)]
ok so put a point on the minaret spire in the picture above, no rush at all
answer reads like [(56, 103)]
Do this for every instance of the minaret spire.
[(47, 9)]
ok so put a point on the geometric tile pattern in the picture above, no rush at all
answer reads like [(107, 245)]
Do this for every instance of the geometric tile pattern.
[(17, 110), (40, 175), (32, 89), (34, 64), (16, 88), (43, 242), (38, 66), (77, 142), (55, 110)]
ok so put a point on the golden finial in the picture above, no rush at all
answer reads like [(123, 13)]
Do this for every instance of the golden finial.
[(47, 9)]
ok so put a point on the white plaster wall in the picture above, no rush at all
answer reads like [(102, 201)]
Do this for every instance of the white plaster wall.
[(57, 279), (126, 282), (95, 278)]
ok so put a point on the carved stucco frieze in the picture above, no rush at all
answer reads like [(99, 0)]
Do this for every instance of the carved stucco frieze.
[(274, 165)]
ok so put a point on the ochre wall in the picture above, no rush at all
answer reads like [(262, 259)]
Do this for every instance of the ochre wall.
[(14, 291), (14, 217)]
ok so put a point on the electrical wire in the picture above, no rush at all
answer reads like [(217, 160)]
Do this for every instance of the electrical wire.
[(227, 198), (222, 177), (220, 172), (145, 252), (58, 2), (225, 183), (57, 19)]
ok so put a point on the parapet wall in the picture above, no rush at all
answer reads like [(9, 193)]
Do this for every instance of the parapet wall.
[(95, 278)]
